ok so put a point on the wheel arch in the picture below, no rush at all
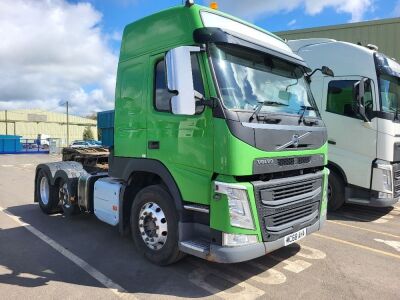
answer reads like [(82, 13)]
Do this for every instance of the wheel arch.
[(146, 172), (57, 170), (338, 170)]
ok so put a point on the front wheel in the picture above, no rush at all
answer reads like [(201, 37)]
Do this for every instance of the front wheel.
[(336, 193), (154, 225)]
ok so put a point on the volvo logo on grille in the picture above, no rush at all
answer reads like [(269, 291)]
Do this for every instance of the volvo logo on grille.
[(265, 161), (294, 141)]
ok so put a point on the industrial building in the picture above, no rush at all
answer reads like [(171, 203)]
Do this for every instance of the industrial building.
[(30, 123), (382, 33)]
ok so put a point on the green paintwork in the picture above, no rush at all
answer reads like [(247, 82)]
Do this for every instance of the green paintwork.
[(193, 148), (130, 108), (229, 150)]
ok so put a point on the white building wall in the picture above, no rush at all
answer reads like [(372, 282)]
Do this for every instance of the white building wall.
[(30, 123)]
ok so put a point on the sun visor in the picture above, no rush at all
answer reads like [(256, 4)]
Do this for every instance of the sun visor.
[(223, 36)]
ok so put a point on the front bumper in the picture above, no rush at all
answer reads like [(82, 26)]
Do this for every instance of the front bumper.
[(238, 254), (383, 202), (356, 195)]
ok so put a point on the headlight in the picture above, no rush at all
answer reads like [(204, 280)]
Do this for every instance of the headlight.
[(385, 170), (238, 202), (231, 240), (387, 179)]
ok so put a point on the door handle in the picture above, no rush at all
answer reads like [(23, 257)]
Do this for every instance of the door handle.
[(153, 145), (332, 142)]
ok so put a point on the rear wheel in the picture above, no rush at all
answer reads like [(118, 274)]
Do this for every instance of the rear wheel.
[(67, 191), (336, 193), (154, 225), (46, 194)]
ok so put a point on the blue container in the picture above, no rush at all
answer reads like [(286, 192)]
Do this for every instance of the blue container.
[(105, 119), (105, 125), (10, 144), (107, 136)]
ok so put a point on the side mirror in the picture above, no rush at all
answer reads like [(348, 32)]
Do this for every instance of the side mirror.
[(180, 80), (359, 93), (324, 70), (327, 71)]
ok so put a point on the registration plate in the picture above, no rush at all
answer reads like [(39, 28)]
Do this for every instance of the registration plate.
[(295, 236)]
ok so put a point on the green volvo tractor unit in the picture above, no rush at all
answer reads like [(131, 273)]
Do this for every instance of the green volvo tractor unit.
[(219, 150)]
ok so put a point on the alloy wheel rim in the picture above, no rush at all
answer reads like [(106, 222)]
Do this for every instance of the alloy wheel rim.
[(153, 226), (44, 190), (64, 195)]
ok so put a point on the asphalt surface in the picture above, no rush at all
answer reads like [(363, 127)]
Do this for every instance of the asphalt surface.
[(355, 256)]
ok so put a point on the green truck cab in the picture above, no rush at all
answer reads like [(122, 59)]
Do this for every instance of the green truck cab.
[(219, 149)]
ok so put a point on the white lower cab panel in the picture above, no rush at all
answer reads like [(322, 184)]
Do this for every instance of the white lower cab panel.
[(106, 200)]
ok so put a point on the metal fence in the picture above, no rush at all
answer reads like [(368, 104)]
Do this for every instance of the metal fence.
[(18, 146)]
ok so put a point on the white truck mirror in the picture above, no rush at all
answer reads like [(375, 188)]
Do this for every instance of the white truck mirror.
[(180, 80)]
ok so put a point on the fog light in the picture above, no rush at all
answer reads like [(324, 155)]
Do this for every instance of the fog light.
[(232, 240), (384, 195)]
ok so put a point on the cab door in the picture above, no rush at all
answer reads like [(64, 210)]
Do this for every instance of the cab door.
[(183, 143), (352, 141)]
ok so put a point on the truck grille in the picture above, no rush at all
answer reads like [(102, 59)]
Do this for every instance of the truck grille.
[(287, 205), (396, 180), (290, 161)]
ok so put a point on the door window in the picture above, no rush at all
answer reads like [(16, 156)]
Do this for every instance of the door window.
[(341, 100), (162, 97)]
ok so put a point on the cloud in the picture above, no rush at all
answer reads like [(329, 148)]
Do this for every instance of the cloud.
[(52, 51), (292, 22), (254, 9)]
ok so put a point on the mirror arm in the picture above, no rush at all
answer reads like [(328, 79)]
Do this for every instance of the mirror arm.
[(312, 73), (211, 103)]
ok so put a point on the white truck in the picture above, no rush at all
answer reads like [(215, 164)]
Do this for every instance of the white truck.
[(360, 107), (43, 140)]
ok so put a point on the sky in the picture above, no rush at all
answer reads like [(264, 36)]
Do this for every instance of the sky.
[(52, 51)]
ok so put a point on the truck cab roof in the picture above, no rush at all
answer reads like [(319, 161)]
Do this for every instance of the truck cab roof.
[(175, 26), (345, 59)]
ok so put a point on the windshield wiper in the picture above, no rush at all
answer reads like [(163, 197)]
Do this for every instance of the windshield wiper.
[(304, 108), (261, 105)]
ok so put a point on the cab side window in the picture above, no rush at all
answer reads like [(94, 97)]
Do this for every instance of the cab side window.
[(340, 98), (162, 97)]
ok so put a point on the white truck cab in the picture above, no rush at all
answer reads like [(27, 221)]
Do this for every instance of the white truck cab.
[(360, 107)]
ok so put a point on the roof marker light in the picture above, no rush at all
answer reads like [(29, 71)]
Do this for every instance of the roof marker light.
[(214, 5), (372, 47)]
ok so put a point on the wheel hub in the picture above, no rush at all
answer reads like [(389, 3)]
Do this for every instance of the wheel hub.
[(44, 190), (64, 195), (153, 226), (329, 192)]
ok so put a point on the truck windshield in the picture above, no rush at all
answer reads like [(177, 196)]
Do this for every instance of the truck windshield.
[(247, 78), (389, 87)]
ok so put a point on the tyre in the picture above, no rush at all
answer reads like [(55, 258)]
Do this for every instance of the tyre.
[(67, 193), (336, 190), (46, 194), (154, 225)]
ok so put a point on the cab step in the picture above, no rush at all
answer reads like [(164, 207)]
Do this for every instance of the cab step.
[(199, 248)]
